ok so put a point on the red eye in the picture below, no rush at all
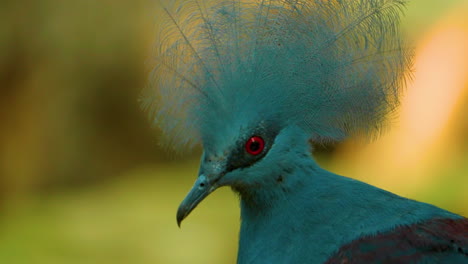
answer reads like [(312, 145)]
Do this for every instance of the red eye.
[(255, 145)]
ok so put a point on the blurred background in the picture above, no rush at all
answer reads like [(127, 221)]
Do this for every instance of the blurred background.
[(82, 176)]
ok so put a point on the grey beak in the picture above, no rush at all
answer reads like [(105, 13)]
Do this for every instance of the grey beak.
[(201, 189)]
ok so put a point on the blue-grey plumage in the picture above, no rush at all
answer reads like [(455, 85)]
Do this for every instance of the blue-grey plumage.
[(254, 82)]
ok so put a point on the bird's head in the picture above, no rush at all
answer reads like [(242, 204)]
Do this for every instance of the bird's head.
[(257, 157), (254, 81)]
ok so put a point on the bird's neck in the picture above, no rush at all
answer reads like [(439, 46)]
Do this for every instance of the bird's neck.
[(322, 210)]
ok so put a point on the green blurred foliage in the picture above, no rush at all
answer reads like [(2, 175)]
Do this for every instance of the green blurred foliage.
[(82, 176), (71, 74), (129, 220)]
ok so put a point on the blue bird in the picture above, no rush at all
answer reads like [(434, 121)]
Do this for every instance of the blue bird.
[(254, 82)]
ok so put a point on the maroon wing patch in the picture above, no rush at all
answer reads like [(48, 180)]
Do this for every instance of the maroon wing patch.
[(432, 241)]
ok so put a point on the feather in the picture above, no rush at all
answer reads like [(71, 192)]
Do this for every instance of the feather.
[(334, 68), (431, 241)]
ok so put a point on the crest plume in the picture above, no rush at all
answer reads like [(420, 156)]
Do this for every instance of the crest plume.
[(332, 67)]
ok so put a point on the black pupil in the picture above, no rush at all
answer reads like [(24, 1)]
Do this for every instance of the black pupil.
[(254, 146)]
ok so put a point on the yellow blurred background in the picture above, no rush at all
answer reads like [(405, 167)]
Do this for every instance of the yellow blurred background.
[(82, 176)]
